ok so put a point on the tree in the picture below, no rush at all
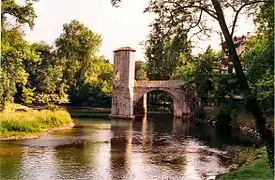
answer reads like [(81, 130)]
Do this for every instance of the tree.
[(199, 72), (259, 58), (173, 15), (140, 70), (14, 49), (22, 13), (45, 75), (76, 48), (97, 88), (163, 53)]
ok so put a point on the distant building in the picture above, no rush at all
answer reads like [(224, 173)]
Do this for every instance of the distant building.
[(227, 64)]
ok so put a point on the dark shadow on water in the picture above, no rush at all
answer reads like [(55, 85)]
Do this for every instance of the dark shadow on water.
[(164, 125)]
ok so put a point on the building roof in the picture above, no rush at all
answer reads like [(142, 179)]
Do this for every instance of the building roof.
[(125, 49)]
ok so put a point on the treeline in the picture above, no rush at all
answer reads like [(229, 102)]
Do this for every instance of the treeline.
[(68, 71)]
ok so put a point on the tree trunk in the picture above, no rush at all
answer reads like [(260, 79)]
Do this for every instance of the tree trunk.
[(262, 128)]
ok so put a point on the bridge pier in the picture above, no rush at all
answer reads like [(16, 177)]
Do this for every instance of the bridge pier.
[(123, 83)]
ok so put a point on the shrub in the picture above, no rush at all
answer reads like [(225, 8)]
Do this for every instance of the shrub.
[(27, 95), (52, 107), (241, 155)]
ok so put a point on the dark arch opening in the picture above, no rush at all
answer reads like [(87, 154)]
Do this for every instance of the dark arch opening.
[(157, 102)]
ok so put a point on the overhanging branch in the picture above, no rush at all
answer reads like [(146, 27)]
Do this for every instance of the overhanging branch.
[(240, 9)]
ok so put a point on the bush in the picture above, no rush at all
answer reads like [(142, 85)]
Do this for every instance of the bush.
[(242, 155), (27, 96), (51, 107)]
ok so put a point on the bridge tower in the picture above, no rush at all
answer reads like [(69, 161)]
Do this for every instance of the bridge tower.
[(123, 83)]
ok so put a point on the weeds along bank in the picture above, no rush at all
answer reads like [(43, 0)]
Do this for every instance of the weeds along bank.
[(32, 124)]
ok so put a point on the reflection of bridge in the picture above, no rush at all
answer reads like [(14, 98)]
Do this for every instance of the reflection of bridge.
[(127, 92)]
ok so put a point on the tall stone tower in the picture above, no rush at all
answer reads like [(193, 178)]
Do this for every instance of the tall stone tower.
[(123, 83)]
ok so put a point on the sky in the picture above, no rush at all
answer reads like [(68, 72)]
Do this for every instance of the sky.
[(126, 25)]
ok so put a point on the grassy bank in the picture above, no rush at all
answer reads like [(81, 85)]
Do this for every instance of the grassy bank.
[(250, 163), (258, 170), (16, 125)]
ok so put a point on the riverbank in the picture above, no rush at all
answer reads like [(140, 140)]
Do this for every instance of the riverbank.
[(247, 163), (32, 124), (258, 169)]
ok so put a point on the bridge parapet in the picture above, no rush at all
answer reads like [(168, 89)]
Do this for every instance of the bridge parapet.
[(160, 84)]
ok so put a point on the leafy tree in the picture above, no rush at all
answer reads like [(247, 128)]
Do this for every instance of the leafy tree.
[(14, 49), (76, 48), (140, 71), (97, 88), (163, 53), (27, 96), (259, 57), (265, 20), (45, 75), (22, 13), (200, 73), (48, 71)]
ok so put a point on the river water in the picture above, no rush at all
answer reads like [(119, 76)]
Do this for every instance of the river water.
[(154, 147)]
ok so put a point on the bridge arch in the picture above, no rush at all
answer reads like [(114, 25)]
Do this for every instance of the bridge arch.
[(177, 97)]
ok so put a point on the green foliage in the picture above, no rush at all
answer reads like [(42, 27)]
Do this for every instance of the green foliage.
[(265, 19), (22, 13), (76, 48), (91, 94), (259, 58), (96, 90), (260, 70), (200, 72), (45, 75), (14, 49), (14, 52), (140, 71), (51, 107), (252, 162), (27, 96), (3, 90), (163, 53), (259, 169), (27, 123), (41, 74), (242, 155)]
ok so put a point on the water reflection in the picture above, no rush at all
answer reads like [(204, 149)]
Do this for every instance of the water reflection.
[(10, 159), (76, 158), (121, 147), (150, 147)]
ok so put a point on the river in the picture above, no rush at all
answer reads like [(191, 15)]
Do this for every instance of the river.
[(154, 147)]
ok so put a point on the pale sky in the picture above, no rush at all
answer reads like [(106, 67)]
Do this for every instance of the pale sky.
[(123, 26)]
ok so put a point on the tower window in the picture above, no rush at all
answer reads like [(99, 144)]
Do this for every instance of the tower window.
[(117, 75)]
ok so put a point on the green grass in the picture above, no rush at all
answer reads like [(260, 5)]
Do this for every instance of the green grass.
[(244, 155), (33, 122), (258, 170)]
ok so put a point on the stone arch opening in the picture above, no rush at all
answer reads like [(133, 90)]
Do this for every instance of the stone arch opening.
[(142, 102), (117, 75)]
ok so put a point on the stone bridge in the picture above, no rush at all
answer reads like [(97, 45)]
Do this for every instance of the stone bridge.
[(127, 92), (172, 87)]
